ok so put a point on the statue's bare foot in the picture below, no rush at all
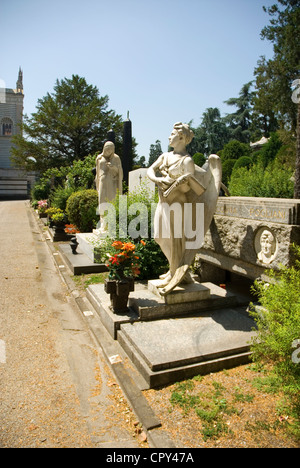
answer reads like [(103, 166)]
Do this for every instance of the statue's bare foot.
[(164, 275), (165, 281)]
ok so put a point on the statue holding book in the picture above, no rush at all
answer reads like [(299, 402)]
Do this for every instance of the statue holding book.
[(188, 196)]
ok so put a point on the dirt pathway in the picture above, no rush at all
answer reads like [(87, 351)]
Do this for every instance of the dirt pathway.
[(55, 388)]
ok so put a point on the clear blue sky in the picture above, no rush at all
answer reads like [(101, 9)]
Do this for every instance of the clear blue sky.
[(163, 60)]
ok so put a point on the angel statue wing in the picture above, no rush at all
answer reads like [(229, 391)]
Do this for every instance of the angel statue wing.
[(205, 188)]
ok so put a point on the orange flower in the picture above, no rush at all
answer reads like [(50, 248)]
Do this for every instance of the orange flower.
[(117, 245), (128, 246), (143, 242), (136, 271)]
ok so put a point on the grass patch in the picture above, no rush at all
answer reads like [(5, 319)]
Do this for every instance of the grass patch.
[(83, 281), (209, 407)]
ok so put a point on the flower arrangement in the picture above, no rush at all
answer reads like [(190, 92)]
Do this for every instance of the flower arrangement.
[(71, 229), (58, 219), (52, 211), (42, 206), (122, 261)]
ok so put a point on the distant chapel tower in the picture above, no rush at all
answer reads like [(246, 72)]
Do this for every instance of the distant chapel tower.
[(12, 181)]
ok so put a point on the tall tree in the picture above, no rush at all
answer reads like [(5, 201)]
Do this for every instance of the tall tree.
[(216, 132), (284, 68), (264, 117), (154, 152), (69, 124), (239, 122)]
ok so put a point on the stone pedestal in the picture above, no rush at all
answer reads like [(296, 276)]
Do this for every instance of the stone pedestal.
[(87, 243), (181, 294), (184, 300), (177, 340)]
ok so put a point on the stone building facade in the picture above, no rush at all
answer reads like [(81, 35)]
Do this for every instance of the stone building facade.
[(13, 182)]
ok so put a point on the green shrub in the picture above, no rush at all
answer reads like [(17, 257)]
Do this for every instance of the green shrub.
[(227, 168), (40, 191), (52, 211), (234, 150), (199, 159), (278, 323), (255, 181), (82, 209), (152, 260), (58, 219), (243, 161), (269, 151), (59, 197)]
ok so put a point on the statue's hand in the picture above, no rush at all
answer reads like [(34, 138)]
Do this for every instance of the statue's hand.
[(167, 180), (164, 182)]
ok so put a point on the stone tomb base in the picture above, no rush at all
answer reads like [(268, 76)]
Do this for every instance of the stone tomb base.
[(170, 342)]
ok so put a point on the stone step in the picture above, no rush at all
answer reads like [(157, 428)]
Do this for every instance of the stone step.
[(180, 372)]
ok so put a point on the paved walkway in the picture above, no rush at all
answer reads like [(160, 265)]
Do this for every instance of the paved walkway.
[(55, 387)]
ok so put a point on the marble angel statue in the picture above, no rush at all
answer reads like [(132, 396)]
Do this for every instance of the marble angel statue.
[(183, 186)]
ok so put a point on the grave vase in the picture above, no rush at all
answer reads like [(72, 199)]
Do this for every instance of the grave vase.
[(119, 293)]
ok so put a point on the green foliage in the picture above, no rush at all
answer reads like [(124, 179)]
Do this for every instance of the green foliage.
[(58, 218), (243, 161), (212, 133), (235, 150), (255, 181), (210, 408), (269, 150), (124, 206), (269, 175), (278, 324), (68, 124), (240, 121), (40, 191), (82, 209), (154, 152), (275, 76), (52, 211), (152, 260), (59, 197), (199, 159), (227, 168)]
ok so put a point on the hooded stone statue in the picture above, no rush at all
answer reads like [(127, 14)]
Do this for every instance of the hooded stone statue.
[(109, 174)]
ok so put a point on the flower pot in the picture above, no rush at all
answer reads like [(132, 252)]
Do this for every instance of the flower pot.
[(119, 293), (110, 286)]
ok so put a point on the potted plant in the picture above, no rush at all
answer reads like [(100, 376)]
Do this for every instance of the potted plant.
[(123, 266), (42, 207), (50, 212), (58, 221), (71, 231)]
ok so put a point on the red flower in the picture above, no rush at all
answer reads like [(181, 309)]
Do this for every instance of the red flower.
[(115, 260)]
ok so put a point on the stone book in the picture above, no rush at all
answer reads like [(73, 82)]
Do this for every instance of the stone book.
[(190, 181)]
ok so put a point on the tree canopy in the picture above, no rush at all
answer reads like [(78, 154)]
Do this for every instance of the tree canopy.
[(69, 124)]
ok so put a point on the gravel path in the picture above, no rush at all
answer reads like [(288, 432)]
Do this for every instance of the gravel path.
[(55, 388)]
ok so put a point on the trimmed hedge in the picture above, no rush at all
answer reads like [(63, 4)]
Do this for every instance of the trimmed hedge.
[(82, 210)]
